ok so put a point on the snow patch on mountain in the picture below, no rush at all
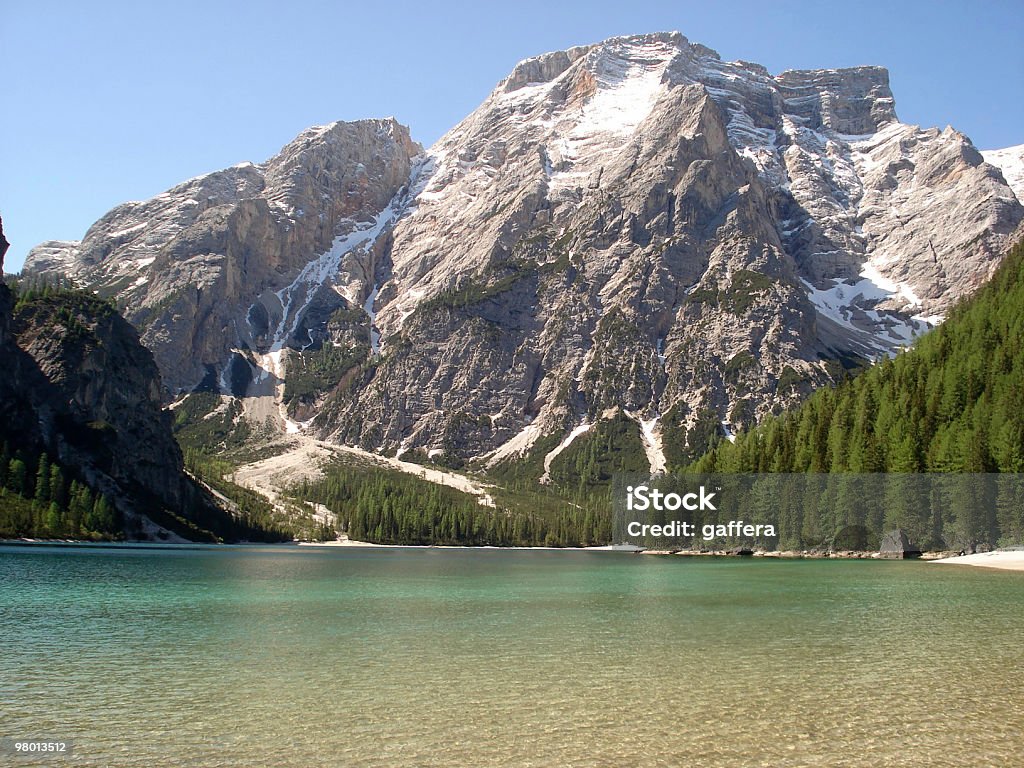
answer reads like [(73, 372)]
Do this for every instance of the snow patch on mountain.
[(324, 270), (879, 287), (848, 303), (296, 297), (628, 81), (650, 437), (1011, 162)]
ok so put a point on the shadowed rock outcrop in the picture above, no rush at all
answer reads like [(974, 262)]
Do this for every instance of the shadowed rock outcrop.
[(80, 386)]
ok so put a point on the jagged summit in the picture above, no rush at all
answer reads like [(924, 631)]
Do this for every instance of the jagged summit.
[(660, 46), (634, 227), (197, 266), (849, 100)]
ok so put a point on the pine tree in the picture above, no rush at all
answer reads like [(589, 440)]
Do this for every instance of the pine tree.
[(100, 517), (43, 481), (79, 505), (17, 476), (54, 520), (58, 487)]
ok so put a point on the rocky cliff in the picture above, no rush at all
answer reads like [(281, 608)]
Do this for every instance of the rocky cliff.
[(80, 386), (16, 415), (224, 263), (5, 292), (630, 227)]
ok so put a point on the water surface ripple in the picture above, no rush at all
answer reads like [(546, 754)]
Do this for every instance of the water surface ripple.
[(441, 657)]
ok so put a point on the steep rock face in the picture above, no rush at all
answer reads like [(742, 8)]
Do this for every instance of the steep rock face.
[(214, 266), (640, 225), (79, 385), (16, 414), (5, 293), (96, 393), (634, 225)]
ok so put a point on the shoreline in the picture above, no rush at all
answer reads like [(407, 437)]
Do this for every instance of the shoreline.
[(1007, 559), (343, 543), (1003, 559), (354, 543)]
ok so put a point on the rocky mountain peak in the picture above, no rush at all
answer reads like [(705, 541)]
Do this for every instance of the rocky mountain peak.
[(855, 100), (634, 227), (215, 265), (650, 48)]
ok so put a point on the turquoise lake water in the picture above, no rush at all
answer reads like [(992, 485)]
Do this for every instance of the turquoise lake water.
[(288, 656)]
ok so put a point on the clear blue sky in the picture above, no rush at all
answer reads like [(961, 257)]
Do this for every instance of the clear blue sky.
[(104, 102)]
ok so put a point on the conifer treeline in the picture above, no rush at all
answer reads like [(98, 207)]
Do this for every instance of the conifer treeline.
[(36, 289), (253, 517), (390, 507), (40, 498)]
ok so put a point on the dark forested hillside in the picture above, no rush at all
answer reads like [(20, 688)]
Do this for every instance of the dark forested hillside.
[(952, 403), (87, 449), (388, 507)]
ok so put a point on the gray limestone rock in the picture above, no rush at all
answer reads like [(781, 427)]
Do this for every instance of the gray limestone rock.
[(189, 266), (631, 226)]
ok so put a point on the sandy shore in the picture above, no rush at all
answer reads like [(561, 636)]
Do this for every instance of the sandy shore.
[(1008, 560), (342, 542), (347, 542)]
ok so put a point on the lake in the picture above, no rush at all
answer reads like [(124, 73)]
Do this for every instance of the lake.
[(290, 656)]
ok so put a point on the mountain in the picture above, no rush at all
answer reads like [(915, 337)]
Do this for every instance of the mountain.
[(223, 262), (633, 229), (81, 396)]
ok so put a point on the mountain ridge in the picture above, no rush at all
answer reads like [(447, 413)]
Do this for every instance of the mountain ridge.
[(632, 226)]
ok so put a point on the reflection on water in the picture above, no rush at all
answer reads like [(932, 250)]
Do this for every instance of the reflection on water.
[(276, 656)]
